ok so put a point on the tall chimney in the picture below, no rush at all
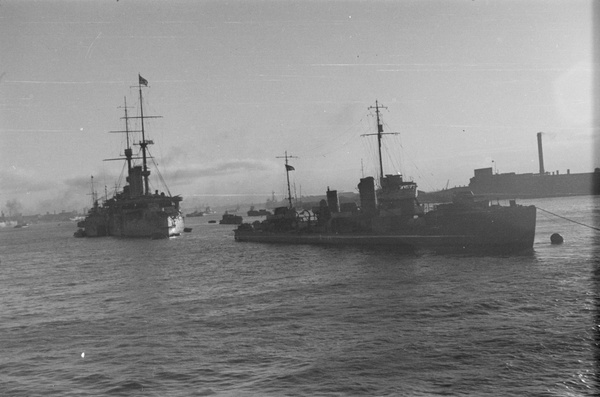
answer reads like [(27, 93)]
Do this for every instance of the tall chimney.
[(540, 153)]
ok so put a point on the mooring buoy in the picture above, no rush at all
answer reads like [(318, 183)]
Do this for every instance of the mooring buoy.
[(556, 238)]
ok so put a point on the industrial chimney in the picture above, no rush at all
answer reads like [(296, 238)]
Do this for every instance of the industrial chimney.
[(540, 153)]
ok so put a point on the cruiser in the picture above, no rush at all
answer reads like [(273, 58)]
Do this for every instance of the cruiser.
[(135, 211)]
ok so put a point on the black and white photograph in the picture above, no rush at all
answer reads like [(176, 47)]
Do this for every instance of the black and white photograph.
[(299, 198)]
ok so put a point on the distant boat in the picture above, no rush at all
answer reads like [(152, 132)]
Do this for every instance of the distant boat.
[(135, 211), (261, 212), (195, 214), (392, 217), (230, 219)]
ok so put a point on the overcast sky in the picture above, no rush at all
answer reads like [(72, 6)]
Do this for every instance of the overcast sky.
[(466, 83)]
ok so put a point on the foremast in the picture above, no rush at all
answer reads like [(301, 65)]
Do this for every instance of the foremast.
[(288, 168), (128, 151), (394, 193)]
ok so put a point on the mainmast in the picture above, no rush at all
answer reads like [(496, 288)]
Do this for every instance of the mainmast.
[(288, 168), (379, 134), (143, 143)]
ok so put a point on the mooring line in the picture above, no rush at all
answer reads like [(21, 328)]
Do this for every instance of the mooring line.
[(570, 220)]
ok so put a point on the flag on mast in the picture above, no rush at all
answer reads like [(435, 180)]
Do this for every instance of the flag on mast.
[(289, 167), (143, 81)]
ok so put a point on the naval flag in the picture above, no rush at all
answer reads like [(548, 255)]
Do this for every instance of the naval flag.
[(143, 81), (289, 168)]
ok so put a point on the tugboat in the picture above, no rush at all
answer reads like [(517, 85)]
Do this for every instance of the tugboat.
[(392, 217), (260, 212), (135, 211), (230, 219)]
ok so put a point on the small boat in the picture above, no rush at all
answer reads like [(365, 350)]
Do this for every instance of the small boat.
[(391, 216), (230, 219), (261, 212)]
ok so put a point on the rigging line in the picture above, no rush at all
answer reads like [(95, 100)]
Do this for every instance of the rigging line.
[(570, 220), (337, 138), (337, 148), (119, 179), (160, 177)]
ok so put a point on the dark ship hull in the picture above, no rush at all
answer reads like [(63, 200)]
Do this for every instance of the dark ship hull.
[(155, 217), (143, 223), (455, 227)]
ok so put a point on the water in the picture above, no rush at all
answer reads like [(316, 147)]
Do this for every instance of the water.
[(203, 315)]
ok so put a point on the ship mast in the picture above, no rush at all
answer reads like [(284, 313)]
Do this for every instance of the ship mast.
[(143, 143), (128, 151), (93, 193), (288, 168), (379, 134)]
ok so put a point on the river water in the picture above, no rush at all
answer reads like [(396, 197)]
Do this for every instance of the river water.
[(202, 315)]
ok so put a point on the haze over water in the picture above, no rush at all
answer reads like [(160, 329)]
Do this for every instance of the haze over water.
[(467, 84)]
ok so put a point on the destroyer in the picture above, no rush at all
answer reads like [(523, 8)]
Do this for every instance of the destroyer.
[(135, 211), (391, 216)]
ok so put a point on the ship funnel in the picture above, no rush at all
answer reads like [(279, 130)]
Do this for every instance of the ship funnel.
[(332, 200), (368, 199), (136, 187), (540, 153)]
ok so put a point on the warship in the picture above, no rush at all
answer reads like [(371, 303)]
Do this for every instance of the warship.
[(135, 211), (390, 216)]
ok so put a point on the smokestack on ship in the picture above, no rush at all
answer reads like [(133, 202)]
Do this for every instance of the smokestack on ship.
[(540, 153)]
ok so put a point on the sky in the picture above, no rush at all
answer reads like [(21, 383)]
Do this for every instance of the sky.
[(465, 84)]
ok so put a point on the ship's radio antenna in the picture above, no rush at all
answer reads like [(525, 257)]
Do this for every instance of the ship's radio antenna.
[(288, 168)]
